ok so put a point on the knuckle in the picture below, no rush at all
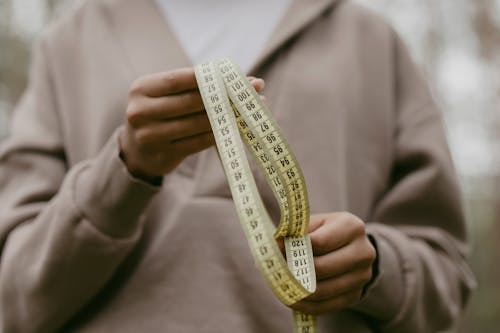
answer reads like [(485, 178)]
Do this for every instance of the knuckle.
[(344, 215), (371, 254), (136, 88), (358, 226), (367, 253), (142, 137), (366, 276), (320, 242), (133, 113), (170, 80)]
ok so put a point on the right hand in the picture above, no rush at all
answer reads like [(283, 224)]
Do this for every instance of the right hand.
[(166, 122)]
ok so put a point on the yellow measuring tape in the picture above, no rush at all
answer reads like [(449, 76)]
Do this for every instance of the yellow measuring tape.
[(236, 112)]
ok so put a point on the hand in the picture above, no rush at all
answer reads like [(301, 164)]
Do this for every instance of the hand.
[(343, 258), (166, 122)]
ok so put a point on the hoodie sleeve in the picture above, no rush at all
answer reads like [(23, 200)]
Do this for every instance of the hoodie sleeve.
[(63, 232), (419, 228)]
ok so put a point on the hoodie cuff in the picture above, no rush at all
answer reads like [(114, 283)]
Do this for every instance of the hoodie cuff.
[(108, 196), (384, 296)]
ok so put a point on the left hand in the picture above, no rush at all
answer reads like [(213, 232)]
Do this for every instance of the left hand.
[(343, 258)]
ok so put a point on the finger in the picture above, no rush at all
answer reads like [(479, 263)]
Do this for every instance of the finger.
[(146, 109), (342, 284), (165, 83), (335, 231), (356, 255), (336, 303), (158, 134), (257, 83), (316, 221), (195, 143), (281, 245), (190, 126)]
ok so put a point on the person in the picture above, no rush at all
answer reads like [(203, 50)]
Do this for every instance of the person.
[(115, 214)]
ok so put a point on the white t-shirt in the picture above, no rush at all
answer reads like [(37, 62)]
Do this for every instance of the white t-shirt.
[(217, 29)]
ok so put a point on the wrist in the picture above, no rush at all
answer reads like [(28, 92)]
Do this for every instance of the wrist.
[(140, 175), (375, 268), (155, 180)]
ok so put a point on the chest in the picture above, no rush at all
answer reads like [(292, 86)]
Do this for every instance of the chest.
[(336, 115)]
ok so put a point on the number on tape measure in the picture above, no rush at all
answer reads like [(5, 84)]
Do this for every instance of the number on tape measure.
[(237, 115)]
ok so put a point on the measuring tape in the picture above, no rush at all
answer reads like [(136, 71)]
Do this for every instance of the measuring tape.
[(236, 112)]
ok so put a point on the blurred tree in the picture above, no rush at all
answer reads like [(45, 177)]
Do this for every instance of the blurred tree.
[(14, 58), (487, 29), (15, 52), (13, 66), (484, 314)]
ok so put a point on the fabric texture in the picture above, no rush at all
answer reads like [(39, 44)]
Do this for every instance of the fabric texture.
[(223, 28), (85, 247)]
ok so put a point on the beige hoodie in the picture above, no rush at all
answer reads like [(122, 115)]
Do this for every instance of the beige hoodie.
[(87, 248)]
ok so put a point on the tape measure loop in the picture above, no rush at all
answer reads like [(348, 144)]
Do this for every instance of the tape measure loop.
[(237, 115)]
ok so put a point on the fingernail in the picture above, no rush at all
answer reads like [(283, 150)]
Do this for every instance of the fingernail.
[(255, 79), (261, 82)]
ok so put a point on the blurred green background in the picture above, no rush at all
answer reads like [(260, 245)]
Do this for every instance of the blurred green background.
[(456, 43)]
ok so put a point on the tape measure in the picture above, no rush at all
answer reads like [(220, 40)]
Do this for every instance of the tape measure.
[(237, 115)]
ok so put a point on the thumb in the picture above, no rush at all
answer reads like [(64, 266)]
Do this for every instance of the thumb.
[(257, 83), (281, 245)]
